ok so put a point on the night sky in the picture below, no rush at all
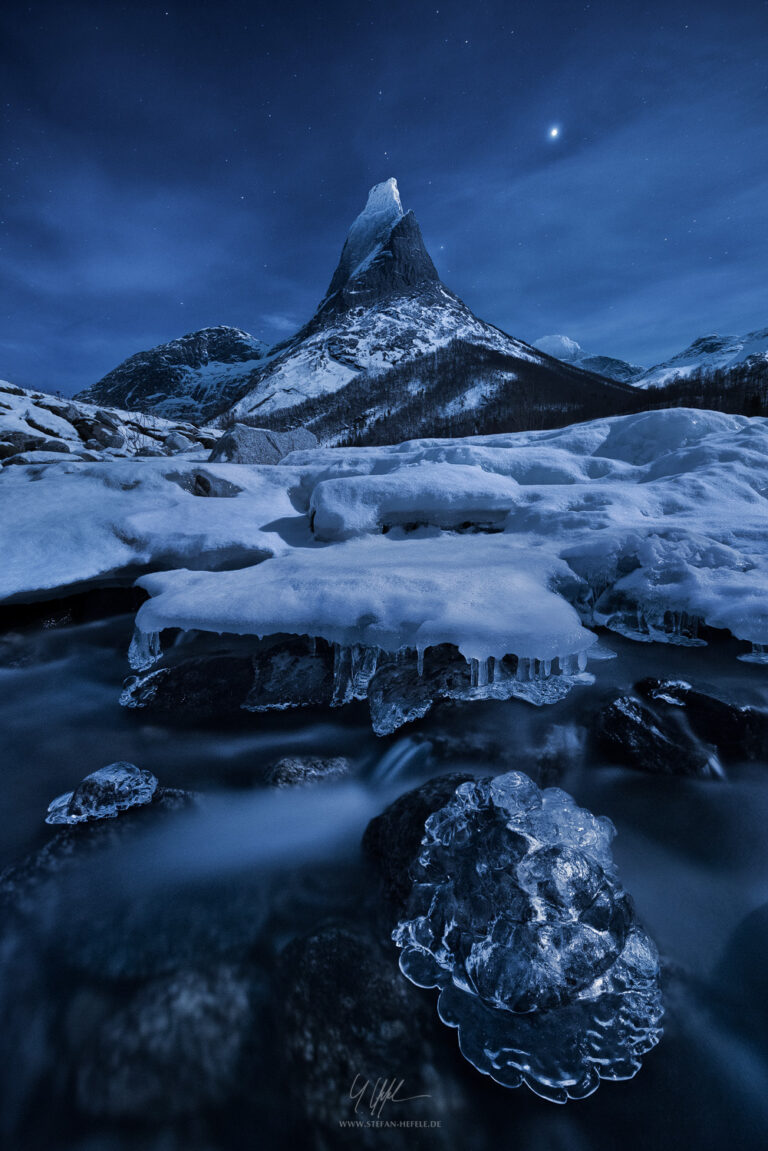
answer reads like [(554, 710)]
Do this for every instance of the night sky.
[(170, 166)]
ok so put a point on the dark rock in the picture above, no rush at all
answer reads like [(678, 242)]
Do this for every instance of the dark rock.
[(631, 733), (350, 1019), (243, 444), (166, 379), (298, 771), (738, 731), (205, 686), (392, 840), (401, 264), (266, 677), (179, 1046), (294, 673)]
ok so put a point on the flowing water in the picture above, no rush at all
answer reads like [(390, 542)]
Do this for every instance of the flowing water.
[(691, 852)]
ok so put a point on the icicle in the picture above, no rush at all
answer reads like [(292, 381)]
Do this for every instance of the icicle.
[(759, 654), (582, 660), (420, 661), (145, 649)]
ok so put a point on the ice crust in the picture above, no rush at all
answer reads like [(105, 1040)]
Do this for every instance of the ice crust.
[(517, 915)]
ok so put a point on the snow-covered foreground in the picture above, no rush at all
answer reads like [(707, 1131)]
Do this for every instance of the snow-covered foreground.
[(652, 525)]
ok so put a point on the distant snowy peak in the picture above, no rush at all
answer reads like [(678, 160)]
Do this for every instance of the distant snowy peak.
[(708, 353), (561, 347), (191, 378), (565, 349), (384, 253)]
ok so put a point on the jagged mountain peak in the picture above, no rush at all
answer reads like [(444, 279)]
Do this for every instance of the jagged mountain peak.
[(383, 254)]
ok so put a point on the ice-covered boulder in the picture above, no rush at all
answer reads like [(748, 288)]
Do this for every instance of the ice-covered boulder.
[(516, 913), (104, 794), (243, 444)]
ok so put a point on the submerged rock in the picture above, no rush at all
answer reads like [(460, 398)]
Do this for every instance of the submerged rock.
[(177, 1047), (632, 733), (298, 771), (349, 1021), (517, 915), (104, 794)]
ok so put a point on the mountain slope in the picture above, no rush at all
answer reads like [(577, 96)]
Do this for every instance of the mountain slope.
[(192, 378), (709, 353)]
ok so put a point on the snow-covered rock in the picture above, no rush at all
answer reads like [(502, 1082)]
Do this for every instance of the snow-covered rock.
[(517, 915), (192, 378), (36, 428), (71, 526), (246, 445)]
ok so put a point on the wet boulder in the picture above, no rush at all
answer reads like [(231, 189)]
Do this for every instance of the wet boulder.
[(738, 731), (630, 732), (181, 1044), (299, 771), (349, 1021), (392, 840)]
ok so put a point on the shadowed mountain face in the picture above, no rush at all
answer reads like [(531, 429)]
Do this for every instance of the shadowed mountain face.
[(383, 255), (385, 309), (191, 378)]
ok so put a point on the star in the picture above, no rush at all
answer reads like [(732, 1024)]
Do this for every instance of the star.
[(554, 132)]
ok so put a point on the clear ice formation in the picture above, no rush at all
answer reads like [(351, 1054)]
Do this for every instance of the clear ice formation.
[(517, 915), (103, 794), (400, 687)]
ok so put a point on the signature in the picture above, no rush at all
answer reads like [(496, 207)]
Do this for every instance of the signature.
[(376, 1095)]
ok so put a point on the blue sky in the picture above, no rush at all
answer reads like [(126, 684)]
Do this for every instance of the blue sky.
[(171, 166)]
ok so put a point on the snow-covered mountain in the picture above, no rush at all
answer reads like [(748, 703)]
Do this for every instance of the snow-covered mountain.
[(565, 349), (192, 378), (709, 353), (388, 342)]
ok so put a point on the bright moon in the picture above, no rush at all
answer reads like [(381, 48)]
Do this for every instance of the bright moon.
[(554, 133)]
